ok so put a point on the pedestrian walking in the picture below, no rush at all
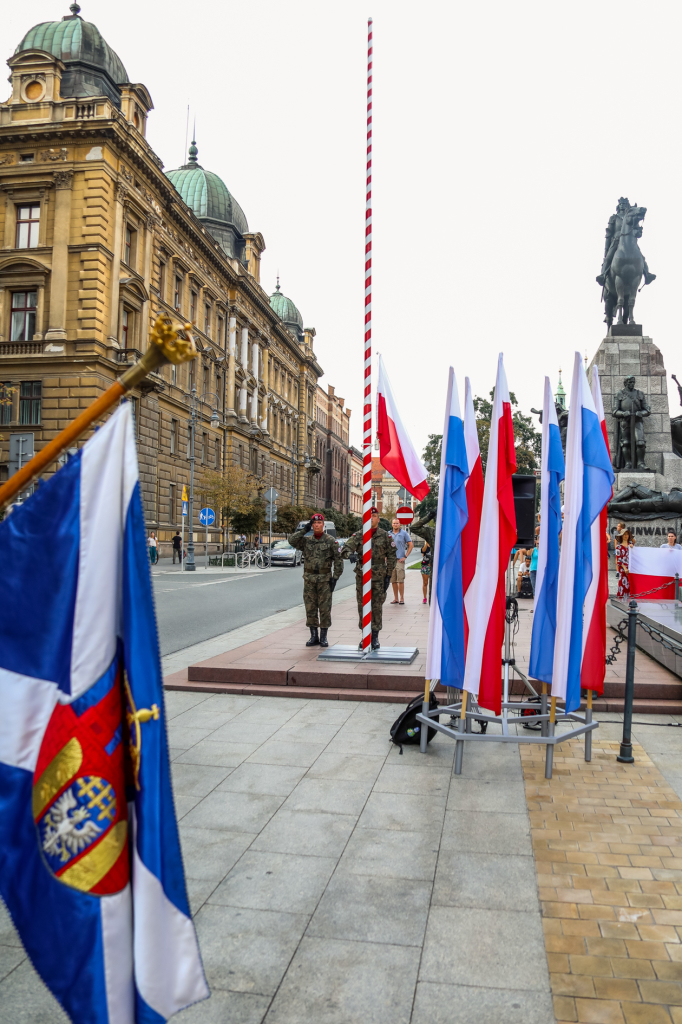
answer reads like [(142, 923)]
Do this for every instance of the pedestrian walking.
[(153, 548), (426, 567), (322, 566), (534, 567), (177, 547), (403, 547), (383, 564), (623, 545)]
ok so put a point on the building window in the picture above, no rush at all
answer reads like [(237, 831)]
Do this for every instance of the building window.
[(23, 315), (162, 281), (221, 331), (171, 503), (174, 374), (190, 373), (29, 402), (177, 297), (28, 225), (193, 307), (126, 328), (217, 453), (6, 392), (206, 380), (204, 447), (173, 436), (207, 320), (129, 246)]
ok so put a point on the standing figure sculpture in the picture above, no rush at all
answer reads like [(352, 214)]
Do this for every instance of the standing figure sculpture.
[(624, 266), (630, 408), (676, 423)]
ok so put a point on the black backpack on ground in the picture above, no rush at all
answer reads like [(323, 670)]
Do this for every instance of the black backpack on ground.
[(406, 728)]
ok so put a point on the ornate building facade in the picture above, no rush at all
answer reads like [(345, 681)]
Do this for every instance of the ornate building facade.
[(332, 452), (96, 241)]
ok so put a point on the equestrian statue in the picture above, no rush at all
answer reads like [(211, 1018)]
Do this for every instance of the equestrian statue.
[(624, 266)]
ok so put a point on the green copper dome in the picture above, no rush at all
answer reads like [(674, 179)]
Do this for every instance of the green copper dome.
[(285, 309), (207, 194), (92, 67)]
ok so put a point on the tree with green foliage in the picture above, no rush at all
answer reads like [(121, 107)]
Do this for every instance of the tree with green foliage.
[(252, 520), (527, 440)]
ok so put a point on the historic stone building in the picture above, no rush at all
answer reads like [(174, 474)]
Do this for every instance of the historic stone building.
[(332, 452), (96, 241)]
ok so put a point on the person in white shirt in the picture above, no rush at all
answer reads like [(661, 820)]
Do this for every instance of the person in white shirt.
[(672, 542), (153, 548)]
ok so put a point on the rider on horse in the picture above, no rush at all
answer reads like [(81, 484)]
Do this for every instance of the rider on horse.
[(612, 239)]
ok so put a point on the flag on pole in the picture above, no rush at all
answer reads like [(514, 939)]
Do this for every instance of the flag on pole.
[(594, 642), (474, 493), (485, 598), (90, 863), (547, 578), (396, 452), (445, 653), (589, 483)]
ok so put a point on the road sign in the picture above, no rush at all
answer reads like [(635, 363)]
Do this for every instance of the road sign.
[(271, 517), (405, 515), (207, 517), (271, 494), (184, 508), (184, 493)]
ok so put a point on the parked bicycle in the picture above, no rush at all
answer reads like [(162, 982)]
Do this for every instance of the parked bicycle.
[(259, 559)]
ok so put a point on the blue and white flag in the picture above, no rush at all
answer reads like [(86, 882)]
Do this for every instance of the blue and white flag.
[(90, 864), (589, 481), (547, 578), (445, 652)]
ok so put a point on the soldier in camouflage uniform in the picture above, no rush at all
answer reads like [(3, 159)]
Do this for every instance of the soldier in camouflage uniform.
[(320, 553), (383, 563)]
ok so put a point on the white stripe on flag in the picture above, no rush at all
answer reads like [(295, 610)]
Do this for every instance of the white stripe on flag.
[(117, 942), (108, 475), (27, 705)]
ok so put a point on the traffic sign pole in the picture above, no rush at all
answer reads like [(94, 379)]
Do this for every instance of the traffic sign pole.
[(271, 496), (207, 518), (184, 513)]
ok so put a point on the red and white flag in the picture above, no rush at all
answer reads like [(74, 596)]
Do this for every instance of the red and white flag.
[(484, 601), (396, 451), (474, 493), (593, 667)]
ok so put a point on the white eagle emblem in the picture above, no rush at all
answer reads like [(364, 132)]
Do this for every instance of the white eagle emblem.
[(67, 828)]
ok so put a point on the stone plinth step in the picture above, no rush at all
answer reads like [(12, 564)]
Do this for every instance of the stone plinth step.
[(639, 706), (306, 692)]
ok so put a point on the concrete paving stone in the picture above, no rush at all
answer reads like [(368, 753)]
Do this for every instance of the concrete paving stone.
[(276, 751), (185, 735), (391, 854), (177, 702), (408, 812), (308, 732), (175, 752), (202, 717), (24, 999), (491, 761), (10, 957), (235, 812), (306, 832), (231, 702), (335, 982), (276, 881), (197, 779), (209, 853), (500, 795), (657, 739), (333, 714), (480, 832), (184, 803), (222, 754), (465, 1004), (246, 950), (351, 740), (485, 880), (8, 933), (360, 767), (463, 943), (198, 891), (333, 796), (239, 730), (373, 908), (440, 753), (277, 779), (224, 1007), (415, 779)]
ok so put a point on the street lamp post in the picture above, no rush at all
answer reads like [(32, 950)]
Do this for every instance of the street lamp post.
[(297, 451), (195, 403)]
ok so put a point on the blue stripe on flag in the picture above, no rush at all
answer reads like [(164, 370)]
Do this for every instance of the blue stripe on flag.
[(454, 517), (544, 615)]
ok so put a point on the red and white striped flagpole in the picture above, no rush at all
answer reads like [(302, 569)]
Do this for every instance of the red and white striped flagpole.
[(367, 435)]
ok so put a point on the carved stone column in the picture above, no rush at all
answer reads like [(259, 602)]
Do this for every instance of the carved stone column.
[(120, 195), (231, 356), (147, 273), (59, 277), (266, 381), (242, 404), (255, 359), (245, 349)]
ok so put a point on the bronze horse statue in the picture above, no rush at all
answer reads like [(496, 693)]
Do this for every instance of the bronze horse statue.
[(627, 267)]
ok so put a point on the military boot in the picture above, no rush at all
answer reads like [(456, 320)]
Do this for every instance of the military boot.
[(323, 637), (375, 640), (314, 638)]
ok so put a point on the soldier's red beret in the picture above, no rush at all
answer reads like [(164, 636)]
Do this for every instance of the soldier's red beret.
[(317, 518), (374, 511)]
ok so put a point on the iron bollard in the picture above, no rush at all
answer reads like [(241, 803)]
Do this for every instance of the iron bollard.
[(625, 755), (677, 588)]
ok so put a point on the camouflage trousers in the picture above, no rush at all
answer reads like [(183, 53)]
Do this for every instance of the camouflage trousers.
[(317, 598), (378, 598)]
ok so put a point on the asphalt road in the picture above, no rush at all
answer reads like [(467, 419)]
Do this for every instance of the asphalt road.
[(191, 607)]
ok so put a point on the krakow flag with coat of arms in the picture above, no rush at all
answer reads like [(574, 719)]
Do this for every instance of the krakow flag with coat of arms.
[(90, 863)]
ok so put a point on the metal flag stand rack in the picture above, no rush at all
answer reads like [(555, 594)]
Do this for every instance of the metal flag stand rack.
[(547, 718)]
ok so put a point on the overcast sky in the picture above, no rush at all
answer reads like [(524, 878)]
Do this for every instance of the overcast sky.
[(503, 136)]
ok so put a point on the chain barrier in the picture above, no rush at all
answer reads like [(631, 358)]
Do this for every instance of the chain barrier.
[(645, 593), (618, 639), (660, 637)]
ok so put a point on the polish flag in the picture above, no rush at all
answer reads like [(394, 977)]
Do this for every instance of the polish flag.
[(485, 598), (396, 451), (594, 630), (474, 493)]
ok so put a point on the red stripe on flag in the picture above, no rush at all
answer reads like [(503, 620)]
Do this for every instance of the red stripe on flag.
[(391, 453), (593, 668), (474, 493)]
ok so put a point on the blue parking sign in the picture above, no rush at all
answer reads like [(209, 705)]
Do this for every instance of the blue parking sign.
[(184, 508)]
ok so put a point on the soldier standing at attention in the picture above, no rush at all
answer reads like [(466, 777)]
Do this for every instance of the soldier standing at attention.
[(320, 555), (384, 560)]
